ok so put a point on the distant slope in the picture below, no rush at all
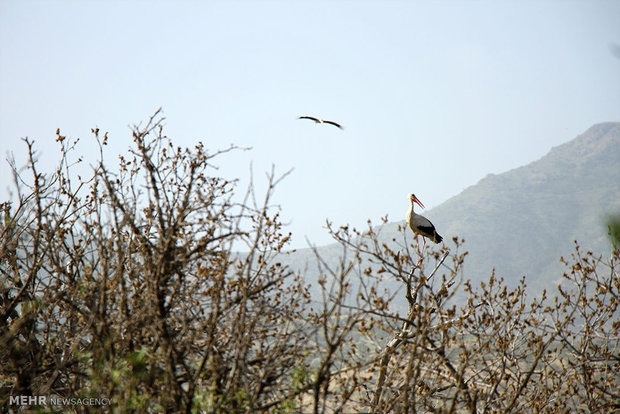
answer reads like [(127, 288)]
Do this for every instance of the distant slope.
[(523, 220)]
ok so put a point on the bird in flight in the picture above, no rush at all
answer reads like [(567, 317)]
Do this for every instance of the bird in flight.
[(321, 121), (420, 225)]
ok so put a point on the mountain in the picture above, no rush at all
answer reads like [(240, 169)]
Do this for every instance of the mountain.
[(522, 221)]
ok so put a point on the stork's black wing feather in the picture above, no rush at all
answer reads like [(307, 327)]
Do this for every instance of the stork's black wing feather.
[(333, 123), (431, 233), (309, 117)]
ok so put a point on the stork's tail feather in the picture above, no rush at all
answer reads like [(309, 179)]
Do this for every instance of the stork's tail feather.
[(438, 238)]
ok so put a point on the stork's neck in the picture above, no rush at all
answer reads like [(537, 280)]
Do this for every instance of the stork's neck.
[(410, 213)]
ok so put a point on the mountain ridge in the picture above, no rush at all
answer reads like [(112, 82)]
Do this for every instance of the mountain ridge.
[(520, 222), (536, 211)]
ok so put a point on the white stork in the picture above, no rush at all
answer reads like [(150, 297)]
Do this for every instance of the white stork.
[(420, 225), (321, 121)]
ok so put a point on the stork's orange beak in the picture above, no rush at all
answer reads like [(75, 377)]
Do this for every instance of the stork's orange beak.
[(418, 202)]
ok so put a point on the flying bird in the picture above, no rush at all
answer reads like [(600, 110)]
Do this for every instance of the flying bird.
[(420, 225), (321, 121)]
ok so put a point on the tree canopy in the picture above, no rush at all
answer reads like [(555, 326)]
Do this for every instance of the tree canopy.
[(160, 286)]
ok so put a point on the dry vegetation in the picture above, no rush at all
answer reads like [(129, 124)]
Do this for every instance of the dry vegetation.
[(126, 285)]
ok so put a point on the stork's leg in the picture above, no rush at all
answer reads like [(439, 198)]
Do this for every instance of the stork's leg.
[(417, 242)]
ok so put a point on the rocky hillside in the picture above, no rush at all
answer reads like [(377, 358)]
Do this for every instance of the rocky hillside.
[(522, 221)]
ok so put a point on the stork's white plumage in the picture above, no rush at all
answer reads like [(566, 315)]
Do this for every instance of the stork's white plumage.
[(420, 225), (321, 121)]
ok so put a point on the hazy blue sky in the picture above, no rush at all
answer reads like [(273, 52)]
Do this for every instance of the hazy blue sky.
[(433, 95)]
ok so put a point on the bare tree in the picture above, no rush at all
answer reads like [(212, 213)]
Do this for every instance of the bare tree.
[(126, 285), (158, 285), (493, 350)]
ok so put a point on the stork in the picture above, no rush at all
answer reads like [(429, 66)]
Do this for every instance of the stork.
[(420, 225), (321, 121)]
